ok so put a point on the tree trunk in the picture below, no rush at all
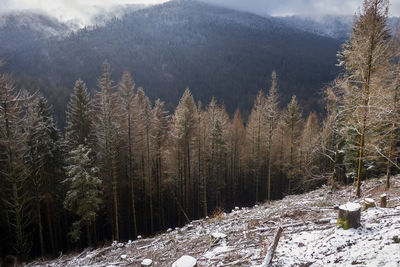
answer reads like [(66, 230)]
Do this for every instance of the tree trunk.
[(115, 195), (40, 227), (349, 216), (383, 201)]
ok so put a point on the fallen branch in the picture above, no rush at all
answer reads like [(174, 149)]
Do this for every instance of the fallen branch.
[(271, 250)]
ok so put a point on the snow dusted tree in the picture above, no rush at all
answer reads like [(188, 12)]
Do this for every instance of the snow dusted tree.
[(394, 110), (365, 58), (14, 190), (292, 123), (159, 135), (236, 140), (84, 191), (126, 93), (80, 128), (107, 134), (256, 141), (216, 151), (272, 121), (309, 151), (183, 134), (45, 160)]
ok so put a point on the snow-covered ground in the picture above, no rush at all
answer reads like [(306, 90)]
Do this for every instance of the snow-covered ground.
[(242, 237)]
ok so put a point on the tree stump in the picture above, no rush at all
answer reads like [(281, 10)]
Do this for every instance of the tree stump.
[(185, 261), (383, 201), (349, 216), (146, 263), (368, 203)]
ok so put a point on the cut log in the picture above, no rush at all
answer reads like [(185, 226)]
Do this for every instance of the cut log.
[(368, 203), (349, 216), (185, 261), (271, 249), (383, 201), (146, 263)]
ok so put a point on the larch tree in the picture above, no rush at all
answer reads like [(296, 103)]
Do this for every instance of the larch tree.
[(236, 141), (256, 139), (394, 110), (183, 131), (293, 123), (45, 160), (159, 135), (365, 57), (15, 197), (272, 114), (126, 94), (107, 133)]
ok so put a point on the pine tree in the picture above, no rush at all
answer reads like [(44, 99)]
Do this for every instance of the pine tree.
[(84, 190)]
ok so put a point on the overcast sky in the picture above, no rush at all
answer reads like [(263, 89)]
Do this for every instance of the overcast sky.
[(82, 9)]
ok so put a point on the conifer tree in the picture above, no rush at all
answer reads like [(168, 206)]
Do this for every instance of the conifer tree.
[(272, 120), (183, 131), (236, 141), (159, 135), (107, 134), (45, 160), (84, 190), (293, 123), (365, 57), (80, 128), (126, 93), (15, 197), (256, 138)]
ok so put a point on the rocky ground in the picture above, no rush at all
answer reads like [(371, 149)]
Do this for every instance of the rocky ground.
[(241, 238)]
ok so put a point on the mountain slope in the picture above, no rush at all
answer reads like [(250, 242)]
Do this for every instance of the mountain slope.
[(242, 236), (215, 51)]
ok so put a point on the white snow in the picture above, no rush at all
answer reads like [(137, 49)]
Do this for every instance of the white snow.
[(242, 237), (369, 200), (371, 244), (218, 235), (350, 206), (147, 262), (185, 261)]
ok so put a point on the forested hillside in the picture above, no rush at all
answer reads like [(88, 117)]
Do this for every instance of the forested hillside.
[(212, 50), (126, 166)]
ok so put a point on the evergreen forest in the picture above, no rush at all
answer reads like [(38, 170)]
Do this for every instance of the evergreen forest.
[(125, 166)]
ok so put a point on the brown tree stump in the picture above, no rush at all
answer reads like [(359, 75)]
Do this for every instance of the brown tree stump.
[(383, 201), (368, 203), (349, 216)]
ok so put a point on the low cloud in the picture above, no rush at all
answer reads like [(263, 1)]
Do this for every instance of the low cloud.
[(77, 11), (300, 7)]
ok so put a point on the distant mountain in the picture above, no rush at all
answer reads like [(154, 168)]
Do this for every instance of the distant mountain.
[(184, 43), (19, 30), (337, 27)]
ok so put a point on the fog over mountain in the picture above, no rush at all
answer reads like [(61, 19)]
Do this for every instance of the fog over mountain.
[(82, 12), (315, 8)]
